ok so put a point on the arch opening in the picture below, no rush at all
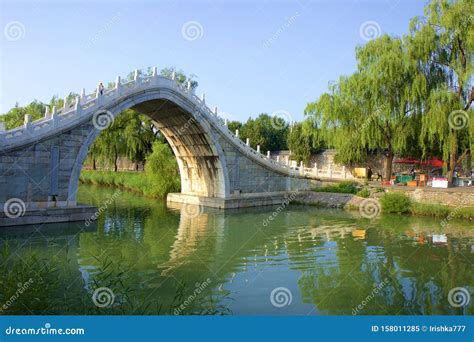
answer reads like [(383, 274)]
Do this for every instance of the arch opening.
[(199, 156)]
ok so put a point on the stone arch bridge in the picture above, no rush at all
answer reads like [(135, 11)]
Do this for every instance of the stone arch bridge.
[(40, 162)]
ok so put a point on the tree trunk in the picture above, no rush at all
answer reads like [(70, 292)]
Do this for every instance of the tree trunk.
[(115, 161), (452, 157), (468, 164), (388, 165)]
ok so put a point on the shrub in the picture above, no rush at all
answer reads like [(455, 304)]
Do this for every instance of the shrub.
[(343, 188), (365, 192), (161, 171), (395, 202)]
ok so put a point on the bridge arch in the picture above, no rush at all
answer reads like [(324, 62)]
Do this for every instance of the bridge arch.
[(200, 157)]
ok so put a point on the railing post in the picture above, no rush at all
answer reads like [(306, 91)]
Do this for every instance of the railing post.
[(98, 95), (77, 106), (226, 122), (47, 114), (203, 98), (316, 169), (136, 78), (27, 123), (237, 133), (301, 168), (118, 85), (268, 154), (278, 159), (65, 107), (54, 116), (247, 142), (258, 148), (83, 94), (173, 76), (154, 76), (215, 111)]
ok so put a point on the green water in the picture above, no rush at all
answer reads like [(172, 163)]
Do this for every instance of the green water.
[(306, 261)]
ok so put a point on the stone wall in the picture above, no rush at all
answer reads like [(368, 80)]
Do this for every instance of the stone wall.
[(451, 197)]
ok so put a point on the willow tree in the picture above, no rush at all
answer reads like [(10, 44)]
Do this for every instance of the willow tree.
[(442, 44), (376, 108)]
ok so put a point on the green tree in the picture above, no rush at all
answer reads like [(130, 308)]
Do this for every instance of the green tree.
[(301, 141), (376, 107), (441, 43), (270, 133)]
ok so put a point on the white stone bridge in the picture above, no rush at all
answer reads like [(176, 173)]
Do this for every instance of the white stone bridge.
[(40, 162)]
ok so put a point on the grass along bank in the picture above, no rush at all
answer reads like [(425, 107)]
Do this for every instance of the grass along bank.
[(161, 175), (398, 202)]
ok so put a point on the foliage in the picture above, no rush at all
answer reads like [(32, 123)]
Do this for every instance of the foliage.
[(301, 142), (161, 171), (266, 132), (374, 108), (395, 202), (365, 193), (441, 44), (343, 188)]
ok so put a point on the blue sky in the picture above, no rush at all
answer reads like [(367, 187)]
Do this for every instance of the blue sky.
[(250, 56)]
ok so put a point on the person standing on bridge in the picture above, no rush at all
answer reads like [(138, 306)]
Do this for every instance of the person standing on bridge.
[(101, 88)]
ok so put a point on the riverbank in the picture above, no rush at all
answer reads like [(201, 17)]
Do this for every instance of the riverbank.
[(354, 202), (343, 196)]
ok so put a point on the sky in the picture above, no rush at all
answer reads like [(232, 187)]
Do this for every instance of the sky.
[(249, 57)]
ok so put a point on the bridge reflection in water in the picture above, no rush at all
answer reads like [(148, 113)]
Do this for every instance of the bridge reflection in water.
[(328, 260)]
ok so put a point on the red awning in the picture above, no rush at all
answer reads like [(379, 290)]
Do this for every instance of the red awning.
[(407, 161), (434, 162)]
